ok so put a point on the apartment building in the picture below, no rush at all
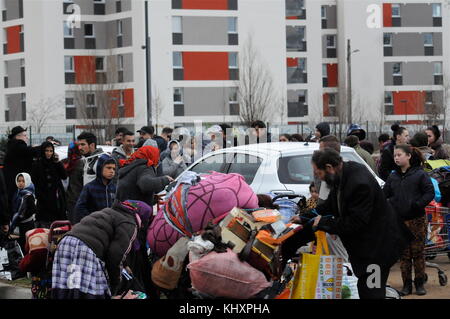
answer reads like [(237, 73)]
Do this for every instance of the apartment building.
[(84, 58)]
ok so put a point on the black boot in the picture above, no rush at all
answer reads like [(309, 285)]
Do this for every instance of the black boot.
[(407, 287), (420, 290)]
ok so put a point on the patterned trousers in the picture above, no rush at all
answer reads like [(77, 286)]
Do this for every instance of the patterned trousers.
[(414, 254)]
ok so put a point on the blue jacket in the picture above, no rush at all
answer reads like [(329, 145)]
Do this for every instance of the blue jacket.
[(95, 195)]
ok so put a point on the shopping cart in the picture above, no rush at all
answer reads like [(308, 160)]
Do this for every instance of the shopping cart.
[(437, 242)]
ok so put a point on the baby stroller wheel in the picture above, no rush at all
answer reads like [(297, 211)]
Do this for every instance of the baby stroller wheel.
[(442, 278)]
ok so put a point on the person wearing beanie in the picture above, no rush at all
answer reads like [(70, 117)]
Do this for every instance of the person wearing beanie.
[(387, 163), (353, 142), (435, 142), (357, 130), (322, 129), (420, 141)]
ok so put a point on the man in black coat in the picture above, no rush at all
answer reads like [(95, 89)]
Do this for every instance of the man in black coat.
[(19, 158), (359, 213)]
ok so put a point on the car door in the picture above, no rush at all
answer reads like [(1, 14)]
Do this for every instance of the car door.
[(247, 165), (217, 163)]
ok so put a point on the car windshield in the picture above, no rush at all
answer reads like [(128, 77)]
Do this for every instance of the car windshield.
[(298, 169)]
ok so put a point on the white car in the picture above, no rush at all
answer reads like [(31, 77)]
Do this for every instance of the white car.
[(280, 168), (62, 150)]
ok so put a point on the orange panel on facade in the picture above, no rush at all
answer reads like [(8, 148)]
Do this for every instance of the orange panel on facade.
[(204, 66), (387, 14), (332, 72), (205, 4), (129, 102), (13, 36), (415, 101), (114, 97), (292, 62), (326, 108), (85, 70)]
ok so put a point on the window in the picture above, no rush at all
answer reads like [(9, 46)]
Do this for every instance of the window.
[(246, 165), (90, 100), (429, 97), (396, 11), (233, 101), (428, 39), (68, 30), (324, 71), (331, 100), (295, 38), (119, 27), (68, 63), (100, 64), (177, 60), (177, 26), (122, 98), (438, 68), (388, 98), (387, 39), (178, 96), (120, 62), (331, 41), (396, 69), (89, 30), (216, 163), (70, 100), (232, 60), (437, 12), (324, 12), (232, 25)]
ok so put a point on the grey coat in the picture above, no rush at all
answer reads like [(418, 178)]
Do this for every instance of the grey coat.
[(137, 181), (169, 167)]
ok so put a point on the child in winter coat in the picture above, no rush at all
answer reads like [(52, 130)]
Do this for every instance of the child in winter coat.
[(409, 190), (313, 200), (23, 207), (100, 193)]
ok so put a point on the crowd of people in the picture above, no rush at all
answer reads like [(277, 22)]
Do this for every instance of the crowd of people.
[(108, 197)]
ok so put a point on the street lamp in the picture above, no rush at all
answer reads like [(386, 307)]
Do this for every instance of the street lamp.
[(406, 110), (349, 75)]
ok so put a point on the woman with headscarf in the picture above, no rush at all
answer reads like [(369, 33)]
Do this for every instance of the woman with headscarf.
[(47, 174), (72, 164), (138, 179)]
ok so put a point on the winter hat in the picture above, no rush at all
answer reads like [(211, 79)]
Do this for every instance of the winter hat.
[(323, 128), (16, 130), (167, 271), (37, 248), (356, 130), (436, 131), (36, 239)]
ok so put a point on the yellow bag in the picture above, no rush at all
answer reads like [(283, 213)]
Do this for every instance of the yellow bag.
[(307, 273)]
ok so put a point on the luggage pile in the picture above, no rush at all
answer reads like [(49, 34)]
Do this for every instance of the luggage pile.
[(230, 248)]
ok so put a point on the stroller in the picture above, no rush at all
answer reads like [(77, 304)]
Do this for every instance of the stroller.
[(41, 282)]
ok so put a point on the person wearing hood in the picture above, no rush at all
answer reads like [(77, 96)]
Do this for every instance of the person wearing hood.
[(99, 193), (47, 175), (420, 141), (174, 164), (409, 190), (19, 159), (95, 250), (23, 207), (436, 143), (138, 179), (358, 131), (322, 129)]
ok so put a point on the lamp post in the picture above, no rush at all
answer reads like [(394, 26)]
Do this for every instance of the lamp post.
[(406, 110), (147, 67), (349, 76)]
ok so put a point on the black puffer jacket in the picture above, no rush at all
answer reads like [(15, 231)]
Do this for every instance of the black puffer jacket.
[(110, 234), (137, 181), (410, 192)]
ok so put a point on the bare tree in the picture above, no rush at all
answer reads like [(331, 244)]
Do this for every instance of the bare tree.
[(43, 111), (157, 106), (256, 92), (100, 99)]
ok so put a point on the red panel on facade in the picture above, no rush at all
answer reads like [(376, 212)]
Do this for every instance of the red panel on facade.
[(114, 97), (205, 4), (203, 66), (326, 108), (13, 38), (129, 102), (292, 18), (332, 72), (387, 14), (85, 70), (415, 101), (292, 62)]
